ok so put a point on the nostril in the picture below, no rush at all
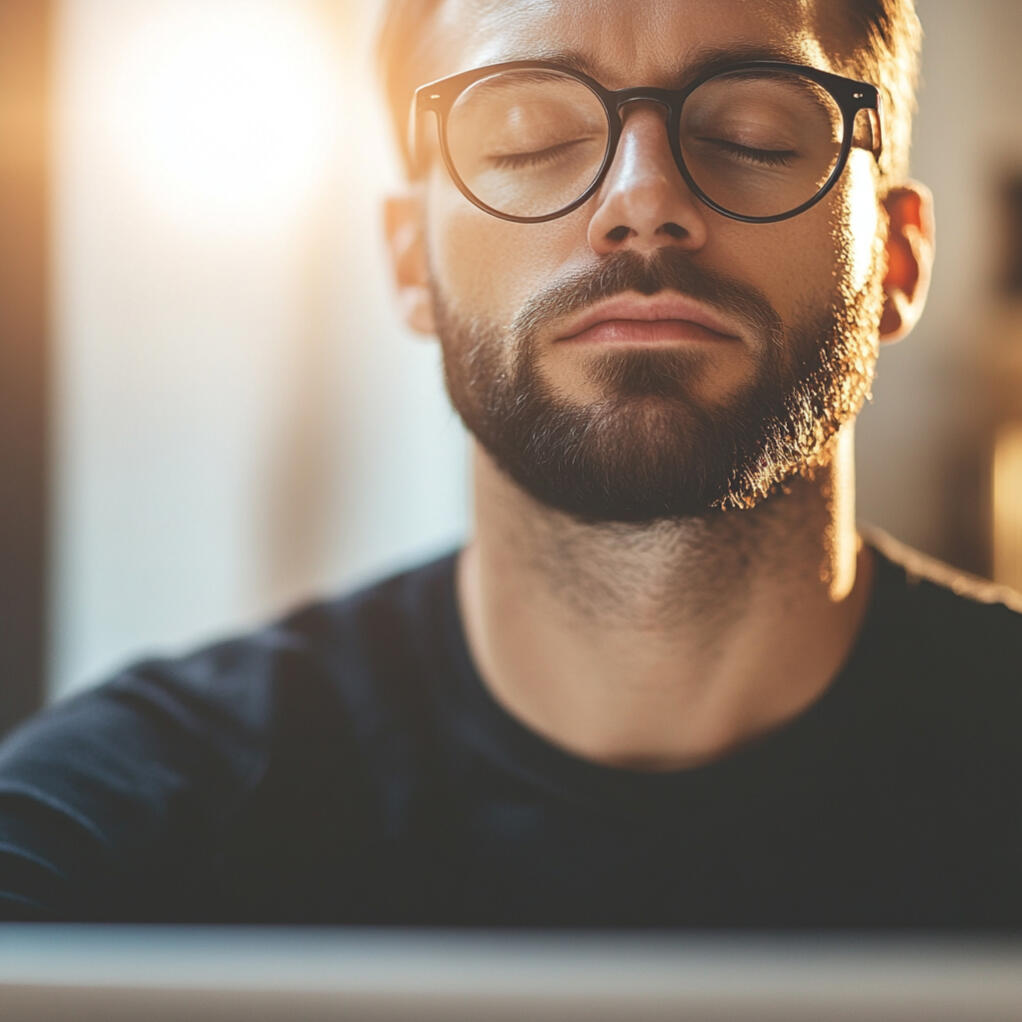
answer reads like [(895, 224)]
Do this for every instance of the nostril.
[(623, 233)]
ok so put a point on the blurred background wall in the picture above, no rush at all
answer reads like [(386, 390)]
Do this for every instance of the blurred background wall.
[(240, 421), (947, 394)]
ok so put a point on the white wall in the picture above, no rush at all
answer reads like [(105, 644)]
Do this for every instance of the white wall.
[(241, 419)]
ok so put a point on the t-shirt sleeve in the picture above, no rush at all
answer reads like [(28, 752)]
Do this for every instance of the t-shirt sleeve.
[(112, 802)]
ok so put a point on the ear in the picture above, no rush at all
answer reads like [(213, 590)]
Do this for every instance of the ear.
[(404, 224), (910, 240)]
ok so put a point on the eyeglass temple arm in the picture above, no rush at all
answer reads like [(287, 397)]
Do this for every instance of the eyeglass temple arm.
[(422, 102), (873, 107)]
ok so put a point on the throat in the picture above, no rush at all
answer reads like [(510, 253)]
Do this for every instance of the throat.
[(668, 644)]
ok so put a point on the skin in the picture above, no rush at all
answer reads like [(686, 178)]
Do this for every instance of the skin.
[(659, 646)]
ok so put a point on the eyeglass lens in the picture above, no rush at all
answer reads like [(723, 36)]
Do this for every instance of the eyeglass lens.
[(758, 143)]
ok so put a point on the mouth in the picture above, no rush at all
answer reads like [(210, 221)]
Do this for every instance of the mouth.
[(658, 319)]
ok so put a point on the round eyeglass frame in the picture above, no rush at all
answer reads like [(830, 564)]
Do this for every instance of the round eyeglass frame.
[(850, 95)]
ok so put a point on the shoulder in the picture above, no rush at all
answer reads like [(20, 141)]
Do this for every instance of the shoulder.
[(930, 595), (948, 644), (287, 673), (175, 744)]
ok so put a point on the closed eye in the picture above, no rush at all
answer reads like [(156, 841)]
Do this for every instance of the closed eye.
[(762, 157), (535, 157)]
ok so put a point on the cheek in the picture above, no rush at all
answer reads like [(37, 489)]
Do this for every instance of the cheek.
[(826, 254), (857, 224), (791, 263), (487, 266)]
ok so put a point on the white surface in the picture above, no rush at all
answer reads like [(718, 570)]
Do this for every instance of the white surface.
[(421, 975)]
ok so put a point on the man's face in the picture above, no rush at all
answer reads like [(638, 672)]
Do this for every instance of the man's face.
[(639, 424)]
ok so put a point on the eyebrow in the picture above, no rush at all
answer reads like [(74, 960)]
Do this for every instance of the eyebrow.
[(700, 61)]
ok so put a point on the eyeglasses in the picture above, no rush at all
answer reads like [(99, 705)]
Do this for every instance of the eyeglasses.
[(758, 141)]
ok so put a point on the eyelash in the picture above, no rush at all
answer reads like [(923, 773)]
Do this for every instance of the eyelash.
[(763, 157), (514, 161)]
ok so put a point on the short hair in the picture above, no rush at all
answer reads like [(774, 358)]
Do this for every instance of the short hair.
[(400, 46), (886, 42), (886, 38)]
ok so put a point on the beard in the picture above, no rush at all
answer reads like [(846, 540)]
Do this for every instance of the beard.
[(650, 448)]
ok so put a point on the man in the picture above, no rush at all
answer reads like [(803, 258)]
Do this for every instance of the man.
[(667, 682)]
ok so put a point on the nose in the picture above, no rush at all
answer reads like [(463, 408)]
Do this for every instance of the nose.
[(644, 203)]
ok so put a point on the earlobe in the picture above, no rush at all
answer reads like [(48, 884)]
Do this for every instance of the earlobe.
[(910, 246), (406, 244)]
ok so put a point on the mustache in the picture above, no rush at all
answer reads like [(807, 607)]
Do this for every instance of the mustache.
[(669, 269)]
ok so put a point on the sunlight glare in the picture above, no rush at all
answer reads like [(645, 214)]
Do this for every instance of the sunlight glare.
[(225, 112)]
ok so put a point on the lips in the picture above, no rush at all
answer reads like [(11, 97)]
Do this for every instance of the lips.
[(661, 317)]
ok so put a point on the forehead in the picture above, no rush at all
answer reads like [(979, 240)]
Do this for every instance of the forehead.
[(626, 42)]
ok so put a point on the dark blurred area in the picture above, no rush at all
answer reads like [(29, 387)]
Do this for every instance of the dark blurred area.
[(25, 363), (1012, 192)]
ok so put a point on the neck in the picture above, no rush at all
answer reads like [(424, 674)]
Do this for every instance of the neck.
[(666, 645)]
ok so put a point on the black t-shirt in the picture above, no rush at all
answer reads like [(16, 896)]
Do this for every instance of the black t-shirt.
[(348, 765)]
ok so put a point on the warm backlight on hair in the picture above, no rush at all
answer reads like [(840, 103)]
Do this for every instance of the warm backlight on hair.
[(225, 112)]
